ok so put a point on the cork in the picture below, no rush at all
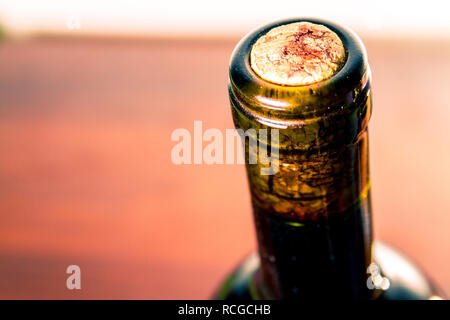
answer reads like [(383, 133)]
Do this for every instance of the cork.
[(297, 54)]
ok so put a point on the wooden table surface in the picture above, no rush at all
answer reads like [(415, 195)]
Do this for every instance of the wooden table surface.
[(86, 176)]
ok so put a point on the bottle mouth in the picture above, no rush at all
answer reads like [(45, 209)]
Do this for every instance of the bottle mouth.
[(269, 91)]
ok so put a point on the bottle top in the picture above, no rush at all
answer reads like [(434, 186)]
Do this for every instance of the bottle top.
[(274, 89)]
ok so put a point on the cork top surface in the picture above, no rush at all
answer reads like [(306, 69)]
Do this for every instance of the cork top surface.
[(296, 54)]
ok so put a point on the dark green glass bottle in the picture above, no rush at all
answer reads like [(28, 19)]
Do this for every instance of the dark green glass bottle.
[(308, 81)]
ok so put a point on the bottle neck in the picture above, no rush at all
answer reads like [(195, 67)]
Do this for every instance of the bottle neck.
[(324, 252), (312, 216)]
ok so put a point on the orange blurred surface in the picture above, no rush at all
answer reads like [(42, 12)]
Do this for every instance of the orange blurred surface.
[(86, 176)]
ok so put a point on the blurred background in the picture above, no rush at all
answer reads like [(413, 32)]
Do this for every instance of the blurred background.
[(90, 92)]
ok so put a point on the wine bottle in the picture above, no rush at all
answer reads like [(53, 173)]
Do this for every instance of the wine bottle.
[(307, 84)]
